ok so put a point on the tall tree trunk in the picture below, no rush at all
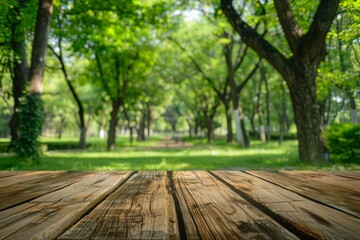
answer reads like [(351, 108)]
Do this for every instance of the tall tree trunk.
[(243, 129), (197, 125), (141, 129), (353, 110), (20, 70), (114, 119), (31, 125), (229, 136), (62, 126), (131, 135), (312, 146), (189, 127), (261, 129), (38, 53), (148, 118), (267, 101), (282, 115)]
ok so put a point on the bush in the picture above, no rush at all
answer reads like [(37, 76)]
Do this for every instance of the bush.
[(344, 142)]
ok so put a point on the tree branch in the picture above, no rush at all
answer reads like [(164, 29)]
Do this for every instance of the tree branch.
[(103, 82), (256, 41), (249, 76), (197, 66), (290, 26), (240, 58), (312, 44)]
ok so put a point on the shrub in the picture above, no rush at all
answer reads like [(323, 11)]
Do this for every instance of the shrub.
[(344, 142)]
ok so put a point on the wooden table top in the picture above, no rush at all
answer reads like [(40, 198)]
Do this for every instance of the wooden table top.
[(180, 205)]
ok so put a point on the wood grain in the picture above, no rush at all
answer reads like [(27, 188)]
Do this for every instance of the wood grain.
[(312, 219), (142, 208), (24, 191), (48, 216), (353, 174), (321, 186), (20, 177), (219, 213)]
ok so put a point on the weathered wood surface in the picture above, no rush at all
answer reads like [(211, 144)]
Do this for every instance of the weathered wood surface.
[(180, 205)]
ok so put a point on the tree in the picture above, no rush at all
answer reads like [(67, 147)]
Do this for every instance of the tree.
[(13, 38), (60, 56), (299, 69), (31, 107)]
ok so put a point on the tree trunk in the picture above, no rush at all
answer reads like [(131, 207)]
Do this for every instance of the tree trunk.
[(148, 118), (190, 127), (282, 114), (312, 146), (38, 53), (20, 72), (196, 128), (114, 119), (141, 129), (230, 135), (353, 110), (261, 129), (244, 132), (210, 133), (31, 125), (131, 135), (267, 99), (62, 126)]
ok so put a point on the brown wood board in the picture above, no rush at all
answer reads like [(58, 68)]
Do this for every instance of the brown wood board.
[(220, 213), (27, 190), (141, 208), (46, 217), (322, 187), (311, 219)]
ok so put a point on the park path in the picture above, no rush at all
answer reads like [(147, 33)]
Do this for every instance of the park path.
[(173, 142)]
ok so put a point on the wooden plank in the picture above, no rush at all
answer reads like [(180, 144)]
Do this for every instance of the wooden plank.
[(335, 191), (5, 174), (20, 177), (352, 174), (142, 208), (327, 178), (217, 212), (313, 220), (21, 192), (48, 216)]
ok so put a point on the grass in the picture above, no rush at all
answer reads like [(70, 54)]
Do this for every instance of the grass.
[(201, 157)]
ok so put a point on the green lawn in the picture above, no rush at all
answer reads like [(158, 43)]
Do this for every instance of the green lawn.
[(201, 157)]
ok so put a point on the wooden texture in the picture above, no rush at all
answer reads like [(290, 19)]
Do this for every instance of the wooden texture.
[(180, 205), (320, 186), (48, 216), (139, 209), (311, 219)]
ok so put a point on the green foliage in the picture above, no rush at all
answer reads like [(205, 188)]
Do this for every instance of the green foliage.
[(30, 127), (344, 142)]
